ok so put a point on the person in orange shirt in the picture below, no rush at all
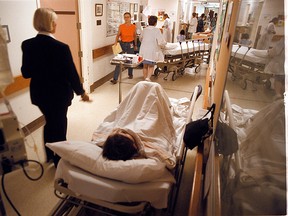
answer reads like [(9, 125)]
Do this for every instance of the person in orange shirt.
[(128, 42)]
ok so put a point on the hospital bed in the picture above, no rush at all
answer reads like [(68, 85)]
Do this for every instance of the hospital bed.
[(181, 55), (248, 64), (78, 188)]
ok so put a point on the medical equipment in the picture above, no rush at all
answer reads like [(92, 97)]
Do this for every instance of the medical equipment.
[(12, 148), (247, 64), (125, 61), (186, 54), (79, 188)]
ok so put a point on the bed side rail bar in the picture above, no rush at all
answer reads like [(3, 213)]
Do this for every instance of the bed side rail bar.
[(229, 114), (194, 98)]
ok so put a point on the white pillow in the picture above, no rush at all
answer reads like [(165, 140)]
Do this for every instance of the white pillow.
[(88, 156), (260, 53), (170, 46)]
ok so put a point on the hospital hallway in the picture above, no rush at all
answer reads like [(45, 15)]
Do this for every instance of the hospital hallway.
[(34, 198)]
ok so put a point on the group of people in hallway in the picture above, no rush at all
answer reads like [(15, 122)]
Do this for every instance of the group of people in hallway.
[(201, 24), (151, 40), (54, 78)]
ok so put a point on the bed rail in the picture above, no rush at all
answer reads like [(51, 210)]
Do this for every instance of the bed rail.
[(182, 153), (206, 189), (229, 114), (194, 97)]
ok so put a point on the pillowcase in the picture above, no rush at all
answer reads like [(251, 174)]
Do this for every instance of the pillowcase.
[(170, 46), (88, 156), (260, 53)]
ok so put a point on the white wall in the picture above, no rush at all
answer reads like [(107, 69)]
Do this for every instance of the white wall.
[(170, 7), (18, 15)]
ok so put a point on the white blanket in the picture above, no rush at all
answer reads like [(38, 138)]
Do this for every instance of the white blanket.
[(146, 111), (192, 47), (250, 56)]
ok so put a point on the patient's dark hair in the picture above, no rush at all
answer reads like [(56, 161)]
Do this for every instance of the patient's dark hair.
[(118, 147)]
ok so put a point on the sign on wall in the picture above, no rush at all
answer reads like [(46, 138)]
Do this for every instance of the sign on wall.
[(115, 11)]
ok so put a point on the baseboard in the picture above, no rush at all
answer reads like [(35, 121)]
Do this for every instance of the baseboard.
[(101, 81), (34, 125)]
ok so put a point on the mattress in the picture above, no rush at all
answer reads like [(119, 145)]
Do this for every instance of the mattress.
[(250, 56), (192, 47), (94, 187)]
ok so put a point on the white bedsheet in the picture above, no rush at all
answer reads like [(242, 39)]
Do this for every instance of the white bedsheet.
[(95, 187), (146, 111), (250, 56), (192, 47)]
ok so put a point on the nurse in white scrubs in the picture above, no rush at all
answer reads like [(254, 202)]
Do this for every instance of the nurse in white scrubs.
[(167, 28)]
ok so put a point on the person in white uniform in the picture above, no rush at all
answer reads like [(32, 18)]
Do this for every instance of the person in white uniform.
[(264, 42), (192, 25), (151, 42), (276, 67), (167, 28)]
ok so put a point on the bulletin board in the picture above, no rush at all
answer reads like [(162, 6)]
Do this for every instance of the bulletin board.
[(115, 11)]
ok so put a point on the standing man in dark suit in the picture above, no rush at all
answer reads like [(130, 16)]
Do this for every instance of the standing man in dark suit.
[(54, 78)]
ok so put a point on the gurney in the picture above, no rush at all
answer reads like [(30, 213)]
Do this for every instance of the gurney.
[(181, 55), (248, 64), (81, 188)]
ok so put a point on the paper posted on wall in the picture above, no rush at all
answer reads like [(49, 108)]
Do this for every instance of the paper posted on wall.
[(116, 48), (6, 76)]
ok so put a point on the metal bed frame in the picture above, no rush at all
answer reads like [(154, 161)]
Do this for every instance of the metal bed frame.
[(245, 70), (74, 204), (176, 64)]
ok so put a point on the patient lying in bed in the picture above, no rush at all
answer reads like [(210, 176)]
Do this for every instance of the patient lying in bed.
[(152, 126), (140, 127)]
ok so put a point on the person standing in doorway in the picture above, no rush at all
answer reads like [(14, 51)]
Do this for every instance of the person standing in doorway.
[(192, 25), (167, 28), (127, 34), (54, 78)]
